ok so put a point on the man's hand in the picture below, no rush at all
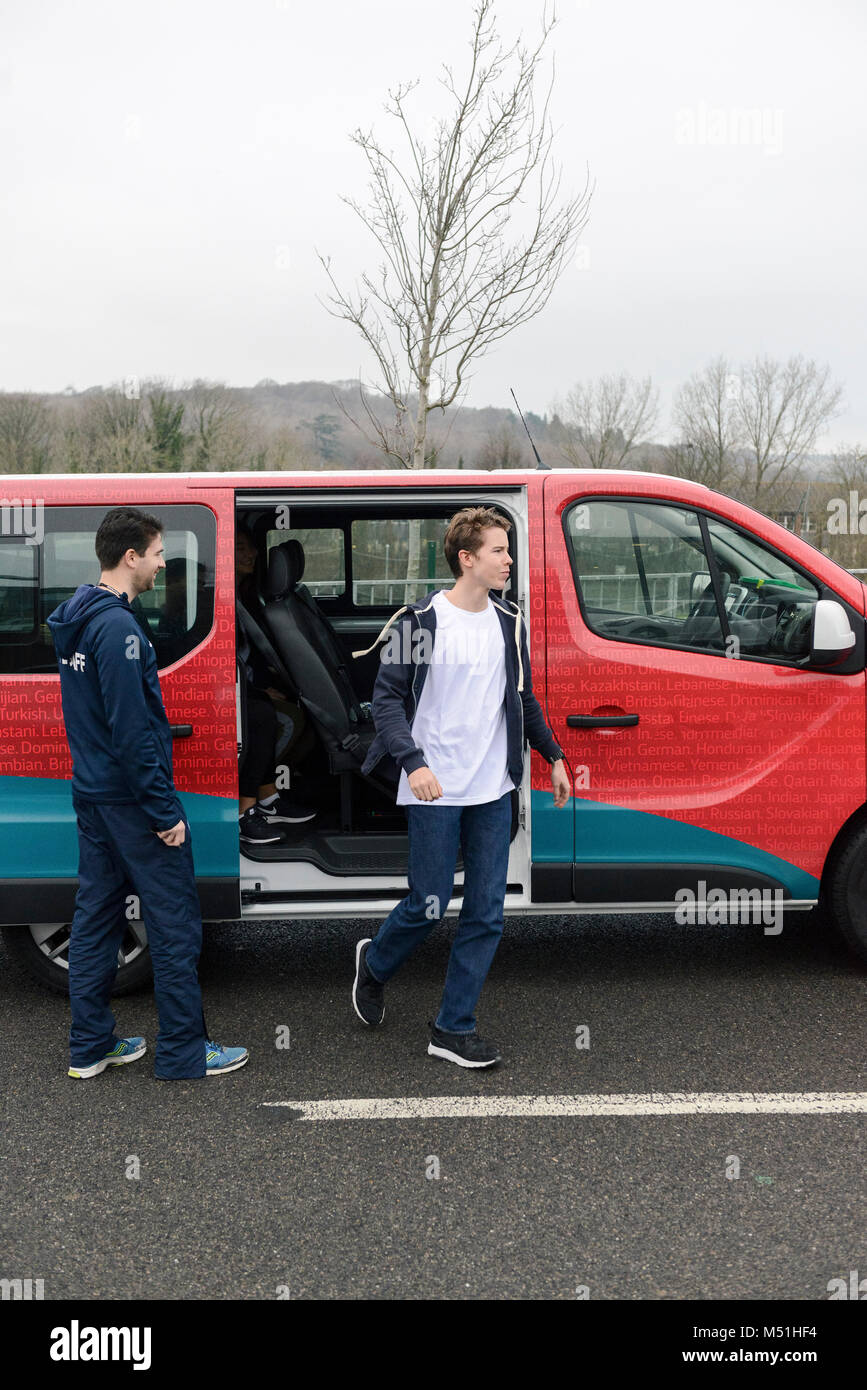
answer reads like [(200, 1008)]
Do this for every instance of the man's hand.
[(274, 693), (424, 785), (175, 836), (560, 782)]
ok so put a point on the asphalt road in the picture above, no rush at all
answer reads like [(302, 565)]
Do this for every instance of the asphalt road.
[(238, 1200)]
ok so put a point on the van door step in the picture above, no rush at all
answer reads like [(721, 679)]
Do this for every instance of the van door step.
[(336, 853)]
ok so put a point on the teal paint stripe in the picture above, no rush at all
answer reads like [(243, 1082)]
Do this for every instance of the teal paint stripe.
[(38, 836), (552, 830), (606, 834)]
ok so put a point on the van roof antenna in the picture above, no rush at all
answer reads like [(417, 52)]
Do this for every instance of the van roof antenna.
[(539, 463)]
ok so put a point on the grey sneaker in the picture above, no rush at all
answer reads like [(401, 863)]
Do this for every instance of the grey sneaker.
[(367, 992)]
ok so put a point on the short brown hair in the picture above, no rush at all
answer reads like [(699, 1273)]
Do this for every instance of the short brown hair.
[(466, 530), (123, 529)]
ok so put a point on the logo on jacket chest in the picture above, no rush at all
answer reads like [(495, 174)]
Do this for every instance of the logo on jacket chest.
[(74, 662)]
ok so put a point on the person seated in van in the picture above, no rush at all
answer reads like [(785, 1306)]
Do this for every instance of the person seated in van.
[(174, 635), (262, 809)]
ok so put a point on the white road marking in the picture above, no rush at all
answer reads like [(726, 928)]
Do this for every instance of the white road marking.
[(653, 1103)]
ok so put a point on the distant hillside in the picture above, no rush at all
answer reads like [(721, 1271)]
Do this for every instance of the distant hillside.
[(139, 426)]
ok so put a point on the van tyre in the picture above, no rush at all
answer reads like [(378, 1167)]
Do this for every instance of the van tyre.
[(843, 899), (32, 949)]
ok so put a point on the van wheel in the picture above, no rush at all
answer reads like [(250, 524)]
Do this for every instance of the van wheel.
[(843, 898), (43, 951)]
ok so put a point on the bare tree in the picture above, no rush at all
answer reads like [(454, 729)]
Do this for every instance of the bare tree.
[(105, 432), (452, 282), (603, 420), (709, 428), (840, 508), (25, 433), (502, 448), (781, 409), (217, 424)]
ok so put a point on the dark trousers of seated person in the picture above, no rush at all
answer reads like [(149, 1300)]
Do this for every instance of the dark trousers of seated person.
[(257, 765)]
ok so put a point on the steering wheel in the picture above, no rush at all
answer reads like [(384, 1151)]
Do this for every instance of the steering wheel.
[(643, 627)]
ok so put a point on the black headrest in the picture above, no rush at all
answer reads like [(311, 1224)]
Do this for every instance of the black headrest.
[(285, 568)]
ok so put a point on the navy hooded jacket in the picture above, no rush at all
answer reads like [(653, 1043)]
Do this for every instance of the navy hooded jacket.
[(400, 681), (116, 724)]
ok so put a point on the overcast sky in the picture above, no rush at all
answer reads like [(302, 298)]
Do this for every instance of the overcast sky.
[(170, 169)]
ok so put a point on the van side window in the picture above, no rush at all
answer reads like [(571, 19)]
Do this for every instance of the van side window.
[(177, 614), (397, 561), (19, 590), (324, 561), (643, 575)]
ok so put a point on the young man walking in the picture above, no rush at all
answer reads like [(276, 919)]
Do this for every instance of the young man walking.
[(452, 706), (132, 834)]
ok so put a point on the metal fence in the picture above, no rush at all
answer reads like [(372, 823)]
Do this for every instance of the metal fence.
[(371, 593), (670, 594), (669, 591)]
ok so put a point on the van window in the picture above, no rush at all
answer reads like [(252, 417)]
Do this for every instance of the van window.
[(643, 575), (177, 614), (397, 561), (769, 605), (324, 561), (19, 591), (641, 569)]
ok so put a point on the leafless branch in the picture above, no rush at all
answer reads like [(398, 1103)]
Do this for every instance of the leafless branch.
[(471, 228)]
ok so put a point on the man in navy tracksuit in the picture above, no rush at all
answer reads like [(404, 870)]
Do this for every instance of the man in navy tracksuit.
[(133, 836), (453, 705)]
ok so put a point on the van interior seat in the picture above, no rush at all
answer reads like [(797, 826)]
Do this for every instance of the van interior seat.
[(315, 672), (317, 626)]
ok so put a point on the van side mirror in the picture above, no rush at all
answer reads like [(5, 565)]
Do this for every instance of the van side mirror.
[(832, 637)]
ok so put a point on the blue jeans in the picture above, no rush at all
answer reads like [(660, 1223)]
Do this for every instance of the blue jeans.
[(120, 855), (435, 834)]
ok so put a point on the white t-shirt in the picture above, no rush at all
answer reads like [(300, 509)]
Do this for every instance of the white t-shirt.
[(460, 722)]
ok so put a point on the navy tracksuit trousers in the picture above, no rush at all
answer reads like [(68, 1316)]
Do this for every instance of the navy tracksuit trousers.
[(120, 855)]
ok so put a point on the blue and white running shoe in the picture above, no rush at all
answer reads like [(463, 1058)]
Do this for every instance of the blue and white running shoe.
[(222, 1059), (126, 1050)]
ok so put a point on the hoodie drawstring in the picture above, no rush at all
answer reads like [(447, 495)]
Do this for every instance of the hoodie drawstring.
[(383, 632), (424, 610), (389, 623), (517, 641)]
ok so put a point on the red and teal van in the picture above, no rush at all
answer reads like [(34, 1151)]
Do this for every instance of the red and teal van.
[(702, 667)]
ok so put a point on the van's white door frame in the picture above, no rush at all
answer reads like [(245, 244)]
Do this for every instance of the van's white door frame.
[(296, 877)]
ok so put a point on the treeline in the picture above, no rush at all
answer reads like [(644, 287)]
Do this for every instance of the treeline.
[(748, 431)]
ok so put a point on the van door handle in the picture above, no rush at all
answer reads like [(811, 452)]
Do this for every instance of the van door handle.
[(601, 721), (181, 730)]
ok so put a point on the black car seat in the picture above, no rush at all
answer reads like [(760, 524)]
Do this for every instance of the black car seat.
[(315, 673), (319, 630)]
